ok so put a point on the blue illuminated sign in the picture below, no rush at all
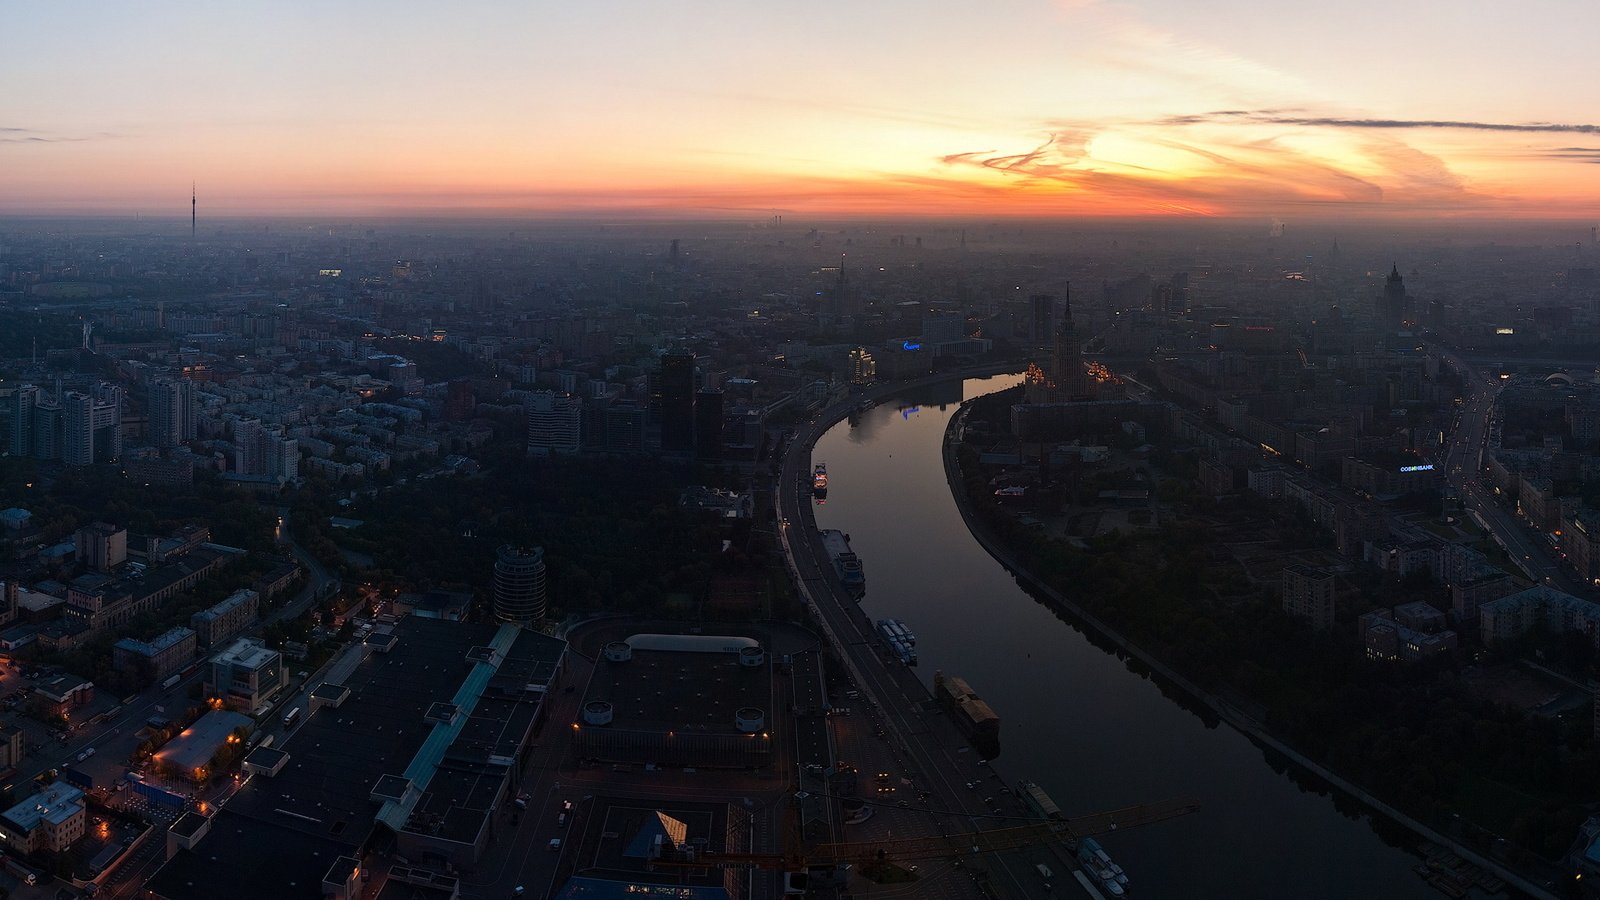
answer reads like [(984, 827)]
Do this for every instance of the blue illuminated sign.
[(1425, 467), (911, 345)]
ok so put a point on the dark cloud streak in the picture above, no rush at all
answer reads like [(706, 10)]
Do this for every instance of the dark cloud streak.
[(14, 135), (1278, 117)]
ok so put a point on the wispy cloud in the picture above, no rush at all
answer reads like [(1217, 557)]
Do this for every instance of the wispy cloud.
[(1289, 117), (14, 135)]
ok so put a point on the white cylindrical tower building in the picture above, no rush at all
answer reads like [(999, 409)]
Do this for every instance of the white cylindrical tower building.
[(519, 596)]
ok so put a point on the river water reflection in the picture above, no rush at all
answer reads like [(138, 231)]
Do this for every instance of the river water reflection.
[(1075, 719)]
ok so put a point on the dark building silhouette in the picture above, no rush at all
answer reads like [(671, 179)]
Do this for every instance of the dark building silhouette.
[(1042, 324), (458, 400), (1067, 371), (675, 401), (1394, 307), (613, 426), (708, 423)]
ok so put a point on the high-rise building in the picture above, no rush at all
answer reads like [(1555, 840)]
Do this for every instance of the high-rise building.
[(172, 412), (554, 423), (675, 387), (247, 447), (1394, 307), (22, 414), (613, 426), (1042, 309), (46, 430), (519, 591), (708, 423), (91, 426), (1308, 593), (1067, 370), (280, 454), (863, 368)]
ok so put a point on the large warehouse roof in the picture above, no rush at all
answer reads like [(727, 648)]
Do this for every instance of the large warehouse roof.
[(691, 643)]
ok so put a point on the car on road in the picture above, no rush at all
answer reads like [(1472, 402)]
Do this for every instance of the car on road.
[(555, 844), (522, 800)]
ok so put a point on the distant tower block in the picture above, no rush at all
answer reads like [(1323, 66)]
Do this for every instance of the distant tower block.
[(194, 209), (519, 589)]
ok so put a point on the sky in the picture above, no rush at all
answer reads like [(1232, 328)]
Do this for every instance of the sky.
[(1456, 108)]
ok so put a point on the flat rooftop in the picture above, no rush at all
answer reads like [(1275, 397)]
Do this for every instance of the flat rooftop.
[(195, 745), (615, 829), (680, 691), (319, 806)]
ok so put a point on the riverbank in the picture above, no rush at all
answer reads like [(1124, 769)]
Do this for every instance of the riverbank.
[(1219, 706)]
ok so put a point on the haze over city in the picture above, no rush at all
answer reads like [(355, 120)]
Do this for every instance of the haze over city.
[(1154, 108), (1070, 448)]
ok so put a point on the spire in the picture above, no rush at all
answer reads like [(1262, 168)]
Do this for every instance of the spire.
[(1394, 272), (194, 200)]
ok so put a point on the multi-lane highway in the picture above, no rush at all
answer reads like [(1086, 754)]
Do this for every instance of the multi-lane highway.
[(1464, 460)]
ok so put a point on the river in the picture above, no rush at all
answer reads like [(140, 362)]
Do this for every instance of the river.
[(1075, 718)]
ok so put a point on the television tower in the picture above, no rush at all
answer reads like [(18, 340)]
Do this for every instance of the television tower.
[(193, 208)]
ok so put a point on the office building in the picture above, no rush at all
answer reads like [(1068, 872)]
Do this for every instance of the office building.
[(622, 425), (519, 590), (554, 423), (675, 401), (246, 675), (1388, 473), (943, 328), (1308, 593), (708, 423)]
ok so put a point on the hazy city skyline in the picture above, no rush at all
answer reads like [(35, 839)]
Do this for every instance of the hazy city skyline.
[(1039, 108)]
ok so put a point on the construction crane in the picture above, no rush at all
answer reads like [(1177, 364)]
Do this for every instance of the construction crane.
[(990, 840)]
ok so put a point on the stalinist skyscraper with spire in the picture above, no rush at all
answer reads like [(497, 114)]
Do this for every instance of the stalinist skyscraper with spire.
[(1067, 373)]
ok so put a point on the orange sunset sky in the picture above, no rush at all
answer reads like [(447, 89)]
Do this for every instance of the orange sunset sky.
[(1072, 107)]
